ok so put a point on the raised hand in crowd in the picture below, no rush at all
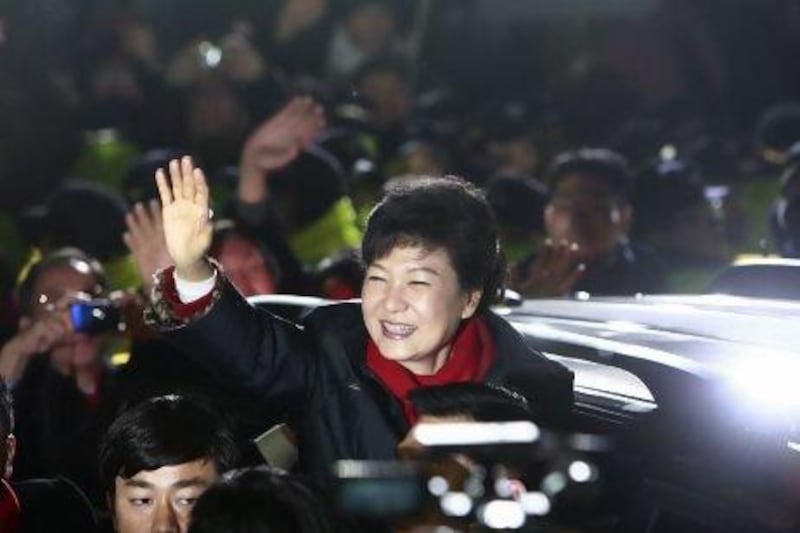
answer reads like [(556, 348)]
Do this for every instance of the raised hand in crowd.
[(186, 218), (554, 272), (36, 337), (241, 60), (145, 240), (275, 143)]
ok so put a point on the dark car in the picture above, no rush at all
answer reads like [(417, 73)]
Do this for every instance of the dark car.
[(698, 397)]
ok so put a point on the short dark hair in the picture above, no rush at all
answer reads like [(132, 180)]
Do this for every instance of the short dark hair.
[(62, 257), (518, 202), (605, 165), (162, 431), (6, 413), (481, 401), (447, 213), (259, 498), (89, 216)]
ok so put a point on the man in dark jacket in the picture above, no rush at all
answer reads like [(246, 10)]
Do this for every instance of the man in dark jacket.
[(588, 218)]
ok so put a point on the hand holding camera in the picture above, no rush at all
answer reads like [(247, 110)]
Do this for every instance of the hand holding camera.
[(71, 313)]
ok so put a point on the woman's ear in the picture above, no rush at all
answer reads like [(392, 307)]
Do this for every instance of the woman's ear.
[(473, 298)]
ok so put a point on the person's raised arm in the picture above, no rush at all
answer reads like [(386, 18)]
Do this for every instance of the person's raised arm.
[(186, 218), (145, 240), (239, 344), (275, 143)]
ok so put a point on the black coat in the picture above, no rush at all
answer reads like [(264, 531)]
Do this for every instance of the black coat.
[(58, 434), (318, 375)]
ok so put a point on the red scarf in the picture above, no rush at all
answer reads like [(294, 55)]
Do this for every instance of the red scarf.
[(471, 357)]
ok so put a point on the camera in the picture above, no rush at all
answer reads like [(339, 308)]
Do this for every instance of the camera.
[(95, 316)]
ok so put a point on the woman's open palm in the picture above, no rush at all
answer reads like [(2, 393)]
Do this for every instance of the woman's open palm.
[(187, 221)]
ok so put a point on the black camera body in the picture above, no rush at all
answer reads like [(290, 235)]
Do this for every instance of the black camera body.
[(95, 316)]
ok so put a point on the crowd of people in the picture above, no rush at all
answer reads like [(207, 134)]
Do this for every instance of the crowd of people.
[(302, 149)]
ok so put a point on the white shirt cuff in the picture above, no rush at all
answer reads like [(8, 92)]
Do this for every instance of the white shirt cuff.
[(190, 291)]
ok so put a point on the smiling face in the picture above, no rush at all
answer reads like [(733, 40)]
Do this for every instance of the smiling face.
[(161, 501), (412, 305)]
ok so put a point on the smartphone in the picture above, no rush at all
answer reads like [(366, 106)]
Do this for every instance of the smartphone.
[(95, 316)]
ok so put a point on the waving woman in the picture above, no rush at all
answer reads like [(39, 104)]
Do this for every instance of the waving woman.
[(433, 268)]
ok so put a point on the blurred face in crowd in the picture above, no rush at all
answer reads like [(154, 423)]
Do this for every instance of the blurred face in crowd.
[(371, 27), (421, 159), (114, 80), (413, 304), (582, 210), (388, 96), (161, 500), (299, 14), (215, 114), (245, 266), (516, 157), (55, 289)]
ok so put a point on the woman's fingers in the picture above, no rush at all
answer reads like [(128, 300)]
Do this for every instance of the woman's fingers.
[(179, 186), (187, 178), (175, 180)]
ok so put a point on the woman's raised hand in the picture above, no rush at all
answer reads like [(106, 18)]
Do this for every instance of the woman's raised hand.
[(187, 218)]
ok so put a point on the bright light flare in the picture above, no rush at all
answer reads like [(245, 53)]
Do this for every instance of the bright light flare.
[(474, 433), (502, 514), (767, 381)]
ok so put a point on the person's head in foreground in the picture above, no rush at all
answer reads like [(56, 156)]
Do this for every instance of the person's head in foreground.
[(158, 458), (463, 402), (432, 261), (259, 500)]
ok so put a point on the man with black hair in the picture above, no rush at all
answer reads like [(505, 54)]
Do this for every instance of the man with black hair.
[(464, 402), (587, 219), (260, 499), (456, 403), (158, 457)]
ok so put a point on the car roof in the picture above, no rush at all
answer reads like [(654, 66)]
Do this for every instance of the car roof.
[(653, 320), (666, 341)]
